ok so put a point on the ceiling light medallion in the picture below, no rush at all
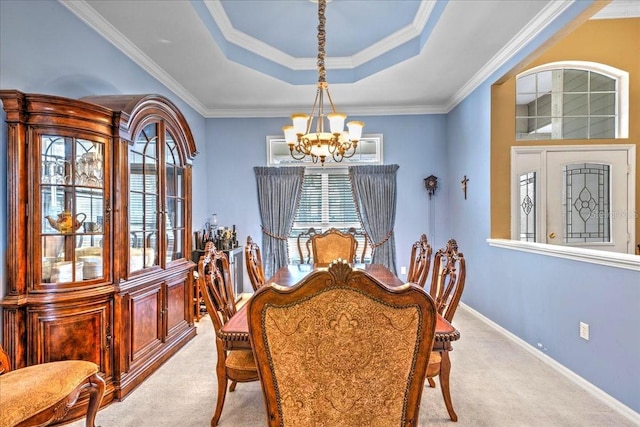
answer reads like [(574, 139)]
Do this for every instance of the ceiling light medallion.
[(318, 144)]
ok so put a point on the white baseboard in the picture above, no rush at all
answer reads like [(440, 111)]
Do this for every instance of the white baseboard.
[(607, 399)]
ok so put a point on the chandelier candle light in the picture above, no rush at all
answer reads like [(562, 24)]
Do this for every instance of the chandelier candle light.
[(319, 144)]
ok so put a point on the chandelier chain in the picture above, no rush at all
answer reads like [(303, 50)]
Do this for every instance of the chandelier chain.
[(322, 38), (320, 145)]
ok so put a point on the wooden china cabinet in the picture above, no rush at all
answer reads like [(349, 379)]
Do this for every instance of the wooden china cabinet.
[(98, 245)]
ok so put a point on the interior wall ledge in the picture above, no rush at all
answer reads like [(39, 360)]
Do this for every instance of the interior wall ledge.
[(610, 259)]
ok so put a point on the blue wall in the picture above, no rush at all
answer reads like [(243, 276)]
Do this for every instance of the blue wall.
[(538, 298), (416, 143), (46, 49)]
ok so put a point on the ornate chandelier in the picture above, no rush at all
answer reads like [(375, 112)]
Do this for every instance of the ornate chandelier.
[(318, 144)]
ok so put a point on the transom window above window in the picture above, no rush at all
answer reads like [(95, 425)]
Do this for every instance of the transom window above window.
[(572, 100)]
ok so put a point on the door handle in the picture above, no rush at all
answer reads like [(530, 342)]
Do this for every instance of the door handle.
[(552, 235)]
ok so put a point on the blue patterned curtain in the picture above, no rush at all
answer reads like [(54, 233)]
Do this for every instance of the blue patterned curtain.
[(279, 191), (374, 189)]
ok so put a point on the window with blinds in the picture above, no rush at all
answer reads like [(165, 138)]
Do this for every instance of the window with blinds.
[(326, 201)]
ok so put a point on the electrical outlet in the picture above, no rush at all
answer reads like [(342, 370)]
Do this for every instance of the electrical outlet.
[(403, 270), (584, 331)]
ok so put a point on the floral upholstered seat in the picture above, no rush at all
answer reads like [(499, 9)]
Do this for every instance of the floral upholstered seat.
[(42, 394)]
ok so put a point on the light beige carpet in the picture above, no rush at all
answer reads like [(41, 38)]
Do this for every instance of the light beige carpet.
[(494, 382)]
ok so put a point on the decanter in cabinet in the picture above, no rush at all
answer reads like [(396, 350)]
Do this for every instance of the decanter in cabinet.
[(98, 245)]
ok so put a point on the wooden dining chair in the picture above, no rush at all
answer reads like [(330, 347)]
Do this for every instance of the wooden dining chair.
[(420, 261), (42, 394), (217, 291), (447, 284), (253, 261), (303, 242), (362, 245), (342, 349), (331, 245)]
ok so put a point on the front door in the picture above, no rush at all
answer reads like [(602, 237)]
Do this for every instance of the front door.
[(587, 199)]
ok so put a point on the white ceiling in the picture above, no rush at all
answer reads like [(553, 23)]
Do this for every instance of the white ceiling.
[(257, 58)]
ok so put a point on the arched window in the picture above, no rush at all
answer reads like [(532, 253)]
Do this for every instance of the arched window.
[(572, 100)]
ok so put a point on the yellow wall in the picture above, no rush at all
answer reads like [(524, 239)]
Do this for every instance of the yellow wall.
[(615, 42)]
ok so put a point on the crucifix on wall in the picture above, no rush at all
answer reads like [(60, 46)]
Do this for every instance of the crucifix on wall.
[(464, 186)]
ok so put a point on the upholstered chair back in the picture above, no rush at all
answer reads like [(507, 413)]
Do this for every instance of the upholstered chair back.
[(342, 349), (331, 245)]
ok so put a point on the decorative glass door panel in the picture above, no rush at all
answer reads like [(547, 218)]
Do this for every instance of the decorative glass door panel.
[(143, 199), (528, 200), (587, 203), (592, 209), (72, 209)]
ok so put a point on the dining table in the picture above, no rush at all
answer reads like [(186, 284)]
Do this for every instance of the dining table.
[(235, 332)]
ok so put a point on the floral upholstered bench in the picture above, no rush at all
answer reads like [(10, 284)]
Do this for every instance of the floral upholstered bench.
[(42, 394)]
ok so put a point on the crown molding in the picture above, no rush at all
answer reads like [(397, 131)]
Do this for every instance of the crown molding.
[(251, 44), (404, 35), (94, 20), (530, 31), (615, 10), (80, 8), (362, 111), (270, 53)]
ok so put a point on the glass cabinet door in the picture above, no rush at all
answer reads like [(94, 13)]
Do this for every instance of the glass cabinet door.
[(143, 199), (175, 200), (72, 209), (157, 199)]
